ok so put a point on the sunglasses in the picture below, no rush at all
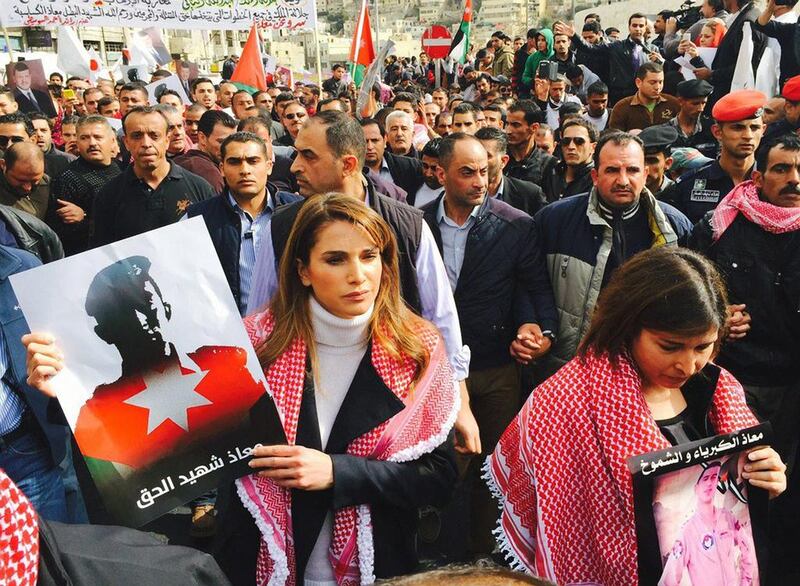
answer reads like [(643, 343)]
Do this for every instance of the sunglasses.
[(578, 140), (293, 116), (6, 140)]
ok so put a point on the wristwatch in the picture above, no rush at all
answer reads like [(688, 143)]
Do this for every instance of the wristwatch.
[(549, 334)]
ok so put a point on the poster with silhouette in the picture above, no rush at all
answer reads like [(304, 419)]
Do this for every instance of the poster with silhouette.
[(698, 521), (161, 386)]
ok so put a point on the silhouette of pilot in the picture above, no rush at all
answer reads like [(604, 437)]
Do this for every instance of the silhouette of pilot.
[(164, 402)]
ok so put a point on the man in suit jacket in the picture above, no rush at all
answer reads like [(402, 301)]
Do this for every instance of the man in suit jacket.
[(28, 98), (405, 172), (721, 74), (523, 195)]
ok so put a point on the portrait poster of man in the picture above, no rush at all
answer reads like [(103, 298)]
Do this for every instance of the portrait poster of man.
[(162, 388), (29, 86), (187, 72), (698, 521), (149, 47)]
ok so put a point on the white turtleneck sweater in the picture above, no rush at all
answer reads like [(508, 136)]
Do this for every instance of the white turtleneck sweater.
[(340, 344)]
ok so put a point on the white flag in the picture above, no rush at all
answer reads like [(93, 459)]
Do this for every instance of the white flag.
[(743, 78), (73, 58)]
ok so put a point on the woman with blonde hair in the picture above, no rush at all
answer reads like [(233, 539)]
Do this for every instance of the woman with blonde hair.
[(711, 35), (367, 400)]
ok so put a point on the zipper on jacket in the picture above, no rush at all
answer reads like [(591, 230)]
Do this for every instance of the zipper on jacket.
[(564, 263)]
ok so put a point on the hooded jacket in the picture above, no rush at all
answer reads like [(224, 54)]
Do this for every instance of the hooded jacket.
[(532, 64)]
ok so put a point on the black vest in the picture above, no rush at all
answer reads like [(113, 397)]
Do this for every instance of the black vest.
[(405, 221)]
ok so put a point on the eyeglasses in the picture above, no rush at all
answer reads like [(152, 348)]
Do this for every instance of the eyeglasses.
[(6, 140), (578, 140), (293, 116)]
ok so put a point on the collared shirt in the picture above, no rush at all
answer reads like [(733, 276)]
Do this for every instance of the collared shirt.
[(128, 206), (12, 407), (629, 113), (254, 235), (385, 174), (454, 241), (500, 187), (426, 195)]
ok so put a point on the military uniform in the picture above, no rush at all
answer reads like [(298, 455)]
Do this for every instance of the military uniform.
[(701, 139)]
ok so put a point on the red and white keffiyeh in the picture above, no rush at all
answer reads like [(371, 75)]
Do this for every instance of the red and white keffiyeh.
[(744, 200), (559, 470), (19, 536), (431, 408)]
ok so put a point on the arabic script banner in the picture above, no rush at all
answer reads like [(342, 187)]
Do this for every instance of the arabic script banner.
[(181, 14), (161, 386)]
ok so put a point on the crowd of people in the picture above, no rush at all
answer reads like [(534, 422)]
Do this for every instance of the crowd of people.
[(569, 251)]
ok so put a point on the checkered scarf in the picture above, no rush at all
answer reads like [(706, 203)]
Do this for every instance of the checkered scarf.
[(19, 536), (559, 470), (431, 407), (744, 200)]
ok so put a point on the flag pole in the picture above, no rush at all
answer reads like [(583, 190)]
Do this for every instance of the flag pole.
[(316, 46), (357, 47), (8, 45), (377, 27)]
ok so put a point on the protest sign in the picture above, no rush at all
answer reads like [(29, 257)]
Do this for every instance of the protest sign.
[(173, 82), (162, 388), (182, 14), (698, 521), (28, 84)]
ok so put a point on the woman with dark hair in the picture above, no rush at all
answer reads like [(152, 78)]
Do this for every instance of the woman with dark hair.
[(642, 381), (367, 400)]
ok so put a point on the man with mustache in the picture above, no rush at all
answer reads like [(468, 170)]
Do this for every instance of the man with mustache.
[(72, 192), (738, 128), (586, 237), (152, 192), (753, 236)]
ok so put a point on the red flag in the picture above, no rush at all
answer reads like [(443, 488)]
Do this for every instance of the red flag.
[(249, 73), (362, 51)]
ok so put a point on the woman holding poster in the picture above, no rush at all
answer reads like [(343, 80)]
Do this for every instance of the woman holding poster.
[(642, 381)]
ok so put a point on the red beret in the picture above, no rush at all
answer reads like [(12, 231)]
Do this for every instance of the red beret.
[(791, 89), (739, 105)]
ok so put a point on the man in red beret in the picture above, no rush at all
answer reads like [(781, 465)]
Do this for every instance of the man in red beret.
[(738, 128), (791, 108)]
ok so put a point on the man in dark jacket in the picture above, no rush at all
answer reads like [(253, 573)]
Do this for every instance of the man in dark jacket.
[(404, 172), (526, 161), (523, 195), (203, 160), (572, 175), (754, 238), (624, 57), (502, 293), (520, 58), (31, 447), (237, 218), (55, 161), (787, 34), (22, 230)]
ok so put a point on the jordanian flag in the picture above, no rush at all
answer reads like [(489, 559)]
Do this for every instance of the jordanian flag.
[(362, 50), (460, 44), (249, 73)]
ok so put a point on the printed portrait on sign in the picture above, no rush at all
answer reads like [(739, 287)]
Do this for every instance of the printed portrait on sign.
[(161, 386), (29, 86)]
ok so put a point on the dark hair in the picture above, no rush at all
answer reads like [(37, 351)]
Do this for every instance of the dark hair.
[(598, 88), (439, 117), (194, 108), (138, 110), (135, 86), (69, 120), (593, 15), (242, 137), (593, 27), (405, 97), (18, 118), (499, 137), (617, 138), (105, 101), (786, 142), (649, 67), (496, 108), (364, 122), (211, 118), (532, 33), (74, 78), (718, 5), (284, 97), (343, 134), (431, 148), (337, 66), (668, 289), (91, 90), (22, 150), (573, 71), (328, 101), (533, 113), (39, 116), (160, 73), (610, 30), (251, 123), (21, 66), (583, 124), (198, 81), (167, 92), (635, 15), (448, 145), (706, 467), (466, 108), (60, 76)]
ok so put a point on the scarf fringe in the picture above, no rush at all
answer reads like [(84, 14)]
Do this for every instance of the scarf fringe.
[(514, 561), (427, 446), (280, 571), (366, 545)]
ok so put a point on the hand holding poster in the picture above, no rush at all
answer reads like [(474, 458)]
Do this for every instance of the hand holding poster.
[(698, 521), (161, 386)]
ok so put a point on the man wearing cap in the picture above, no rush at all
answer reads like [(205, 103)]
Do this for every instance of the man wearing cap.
[(753, 236), (791, 110), (658, 141), (738, 128), (685, 160), (694, 127)]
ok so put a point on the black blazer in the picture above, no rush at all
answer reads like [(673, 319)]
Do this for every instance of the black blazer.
[(406, 174), (394, 490), (523, 195), (28, 107), (724, 62)]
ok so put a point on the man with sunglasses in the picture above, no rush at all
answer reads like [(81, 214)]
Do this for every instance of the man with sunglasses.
[(572, 174), (14, 127), (293, 117)]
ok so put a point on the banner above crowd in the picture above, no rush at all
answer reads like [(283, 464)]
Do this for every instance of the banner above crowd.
[(182, 14)]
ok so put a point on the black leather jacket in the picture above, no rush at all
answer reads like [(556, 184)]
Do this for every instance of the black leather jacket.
[(32, 234)]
